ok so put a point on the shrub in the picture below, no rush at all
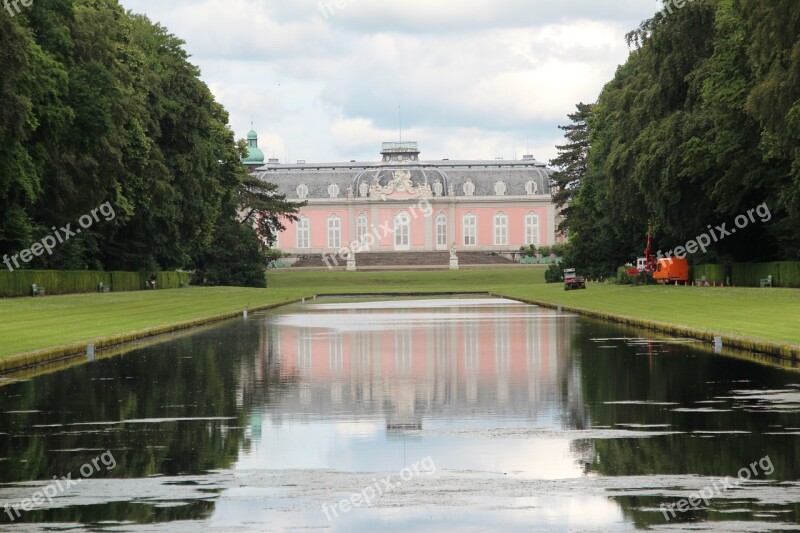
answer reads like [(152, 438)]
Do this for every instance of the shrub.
[(559, 250), (554, 274), (623, 277)]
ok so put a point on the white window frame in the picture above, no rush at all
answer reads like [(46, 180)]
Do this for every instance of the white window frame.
[(402, 232), (361, 227), (303, 232), (334, 232), (532, 229), (501, 229), (441, 232), (470, 223)]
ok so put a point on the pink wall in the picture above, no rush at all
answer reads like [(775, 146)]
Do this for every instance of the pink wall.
[(485, 224), (319, 215)]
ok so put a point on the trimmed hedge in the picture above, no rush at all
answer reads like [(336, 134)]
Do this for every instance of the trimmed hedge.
[(711, 272), (18, 283), (784, 273)]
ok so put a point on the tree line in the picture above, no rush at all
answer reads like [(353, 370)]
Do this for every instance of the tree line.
[(102, 105), (700, 125)]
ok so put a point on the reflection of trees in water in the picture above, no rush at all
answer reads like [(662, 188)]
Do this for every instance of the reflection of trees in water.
[(116, 512), (663, 373), (191, 377)]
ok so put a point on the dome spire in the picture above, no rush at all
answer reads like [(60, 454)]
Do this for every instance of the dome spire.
[(255, 157)]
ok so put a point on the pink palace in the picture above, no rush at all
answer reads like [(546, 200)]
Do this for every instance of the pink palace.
[(402, 203)]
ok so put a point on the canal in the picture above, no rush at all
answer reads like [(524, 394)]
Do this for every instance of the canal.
[(391, 414)]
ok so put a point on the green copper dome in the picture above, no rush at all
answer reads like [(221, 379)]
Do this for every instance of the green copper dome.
[(254, 155)]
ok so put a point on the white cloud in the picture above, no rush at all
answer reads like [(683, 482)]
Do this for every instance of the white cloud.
[(474, 77)]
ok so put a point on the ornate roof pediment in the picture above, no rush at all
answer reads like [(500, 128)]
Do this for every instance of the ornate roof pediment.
[(400, 185)]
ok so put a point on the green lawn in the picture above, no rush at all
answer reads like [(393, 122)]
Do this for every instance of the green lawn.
[(28, 324)]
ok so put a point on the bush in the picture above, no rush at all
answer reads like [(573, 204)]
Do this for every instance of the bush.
[(559, 250), (554, 273), (273, 254), (622, 277), (545, 251)]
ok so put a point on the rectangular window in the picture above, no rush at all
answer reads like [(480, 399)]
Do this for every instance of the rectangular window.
[(470, 230), (500, 230), (334, 232), (441, 232), (303, 233), (532, 229), (361, 228)]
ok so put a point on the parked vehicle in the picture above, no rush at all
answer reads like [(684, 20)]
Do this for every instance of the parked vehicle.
[(671, 270), (572, 281), (664, 271)]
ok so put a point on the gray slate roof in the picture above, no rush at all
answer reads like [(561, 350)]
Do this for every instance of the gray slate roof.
[(484, 174)]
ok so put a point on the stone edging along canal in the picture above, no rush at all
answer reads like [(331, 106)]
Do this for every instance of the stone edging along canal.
[(12, 363), (48, 355), (788, 351), (22, 361)]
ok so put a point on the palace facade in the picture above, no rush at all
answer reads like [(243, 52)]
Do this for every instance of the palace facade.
[(402, 203)]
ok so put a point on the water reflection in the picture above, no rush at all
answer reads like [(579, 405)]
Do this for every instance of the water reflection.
[(354, 374), (534, 419)]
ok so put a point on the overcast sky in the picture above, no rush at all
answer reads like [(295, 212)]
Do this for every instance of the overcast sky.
[(474, 78)]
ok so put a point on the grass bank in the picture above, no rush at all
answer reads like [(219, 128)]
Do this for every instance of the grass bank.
[(30, 324), (63, 323)]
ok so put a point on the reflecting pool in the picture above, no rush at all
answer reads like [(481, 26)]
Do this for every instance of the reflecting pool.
[(433, 414)]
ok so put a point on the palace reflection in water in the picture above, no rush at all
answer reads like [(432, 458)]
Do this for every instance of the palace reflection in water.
[(411, 361)]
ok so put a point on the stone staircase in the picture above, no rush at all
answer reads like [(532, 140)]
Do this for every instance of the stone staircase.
[(408, 259)]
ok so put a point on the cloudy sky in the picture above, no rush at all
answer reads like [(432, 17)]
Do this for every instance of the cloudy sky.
[(323, 81)]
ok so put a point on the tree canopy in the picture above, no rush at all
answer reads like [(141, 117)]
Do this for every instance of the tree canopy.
[(102, 105), (700, 125)]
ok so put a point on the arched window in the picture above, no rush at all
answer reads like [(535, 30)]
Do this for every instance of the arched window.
[(532, 228), (303, 232), (500, 229), (470, 230), (334, 232), (361, 227), (402, 232), (441, 231)]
